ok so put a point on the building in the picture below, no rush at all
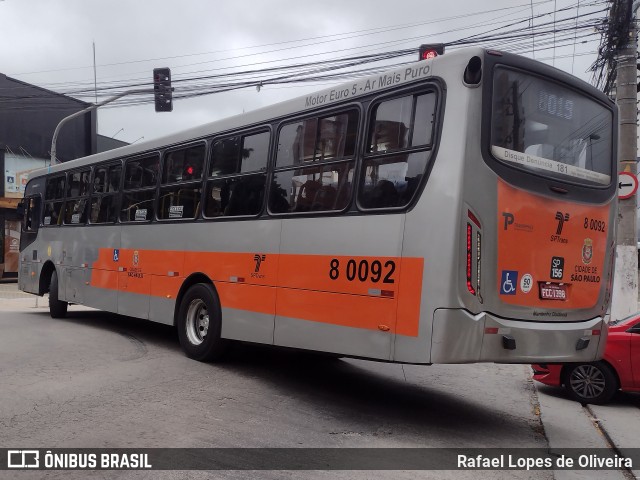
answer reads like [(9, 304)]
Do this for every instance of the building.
[(28, 117)]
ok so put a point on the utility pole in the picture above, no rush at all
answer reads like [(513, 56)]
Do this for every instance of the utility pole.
[(625, 285)]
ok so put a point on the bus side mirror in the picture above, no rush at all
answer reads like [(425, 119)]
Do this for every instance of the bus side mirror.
[(20, 210)]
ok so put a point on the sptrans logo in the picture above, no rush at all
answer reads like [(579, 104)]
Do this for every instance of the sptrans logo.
[(561, 217), (259, 259)]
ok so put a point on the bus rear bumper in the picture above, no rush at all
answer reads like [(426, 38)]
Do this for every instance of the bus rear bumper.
[(461, 337)]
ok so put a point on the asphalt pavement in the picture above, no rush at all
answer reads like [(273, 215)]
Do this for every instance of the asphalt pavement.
[(563, 423)]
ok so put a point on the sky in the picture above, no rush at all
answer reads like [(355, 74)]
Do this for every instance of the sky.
[(49, 43)]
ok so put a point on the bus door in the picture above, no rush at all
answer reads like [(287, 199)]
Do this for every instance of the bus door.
[(29, 256), (76, 241), (137, 208)]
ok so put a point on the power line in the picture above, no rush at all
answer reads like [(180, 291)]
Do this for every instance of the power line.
[(553, 34), (337, 37)]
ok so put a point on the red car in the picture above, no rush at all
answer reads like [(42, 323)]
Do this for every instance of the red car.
[(597, 382)]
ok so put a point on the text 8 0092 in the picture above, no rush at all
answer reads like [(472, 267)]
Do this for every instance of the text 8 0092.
[(363, 270)]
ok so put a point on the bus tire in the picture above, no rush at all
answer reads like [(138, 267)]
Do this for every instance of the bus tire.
[(57, 308), (199, 324)]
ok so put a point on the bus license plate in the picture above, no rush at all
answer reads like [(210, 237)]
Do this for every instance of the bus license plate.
[(553, 291)]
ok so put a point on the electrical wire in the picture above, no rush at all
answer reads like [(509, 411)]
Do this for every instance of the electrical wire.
[(558, 33)]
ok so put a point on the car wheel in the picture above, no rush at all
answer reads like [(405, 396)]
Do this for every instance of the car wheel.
[(200, 324), (591, 382), (57, 308)]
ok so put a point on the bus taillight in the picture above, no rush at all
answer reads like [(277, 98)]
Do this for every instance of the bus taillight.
[(478, 239), (473, 247), (472, 290)]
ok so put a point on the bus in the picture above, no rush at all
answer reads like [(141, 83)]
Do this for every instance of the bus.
[(454, 210)]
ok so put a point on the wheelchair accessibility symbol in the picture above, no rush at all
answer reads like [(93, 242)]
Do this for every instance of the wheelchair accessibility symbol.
[(508, 282)]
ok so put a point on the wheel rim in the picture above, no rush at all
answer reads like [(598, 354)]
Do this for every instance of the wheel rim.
[(587, 381), (197, 324)]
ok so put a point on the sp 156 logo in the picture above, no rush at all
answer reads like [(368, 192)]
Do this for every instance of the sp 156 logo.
[(557, 268)]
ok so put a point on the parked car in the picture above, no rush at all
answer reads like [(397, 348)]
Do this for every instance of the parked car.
[(597, 382)]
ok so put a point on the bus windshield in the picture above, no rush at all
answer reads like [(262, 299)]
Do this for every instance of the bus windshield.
[(540, 126)]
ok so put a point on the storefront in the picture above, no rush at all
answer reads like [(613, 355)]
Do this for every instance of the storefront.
[(16, 170), (28, 116)]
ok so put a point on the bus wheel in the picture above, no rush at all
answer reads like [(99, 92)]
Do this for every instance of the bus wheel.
[(57, 308), (200, 323)]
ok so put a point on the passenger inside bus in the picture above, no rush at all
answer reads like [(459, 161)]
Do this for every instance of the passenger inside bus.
[(325, 198), (306, 195)]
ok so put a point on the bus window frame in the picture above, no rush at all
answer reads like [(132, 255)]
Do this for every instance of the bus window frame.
[(118, 194), (154, 188), (184, 146), (87, 196), (189, 183), (433, 84), (27, 237), (35, 226), (207, 177), (355, 159), (47, 178), (532, 180)]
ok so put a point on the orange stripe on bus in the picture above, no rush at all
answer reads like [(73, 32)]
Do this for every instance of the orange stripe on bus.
[(337, 308), (359, 292), (253, 298)]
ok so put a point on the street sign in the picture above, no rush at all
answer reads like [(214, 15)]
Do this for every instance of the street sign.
[(627, 185)]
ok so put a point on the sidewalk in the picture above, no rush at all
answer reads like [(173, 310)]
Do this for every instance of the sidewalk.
[(9, 290), (568, 424)]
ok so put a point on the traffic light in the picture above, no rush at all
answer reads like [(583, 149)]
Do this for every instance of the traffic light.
[(162, 90), (430, 50)]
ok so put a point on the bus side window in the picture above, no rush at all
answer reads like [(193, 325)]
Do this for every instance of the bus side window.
[(100, 180), (238, 180), (183, 165), (315, 164), (31, 218), (76, 205), (133, 175), (104, 200), (54, 199), (138, 199), (391, 172), (182, 171), (390, 125), (115, 172)]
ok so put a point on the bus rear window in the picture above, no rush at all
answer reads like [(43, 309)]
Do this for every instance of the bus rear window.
[(540, 126)]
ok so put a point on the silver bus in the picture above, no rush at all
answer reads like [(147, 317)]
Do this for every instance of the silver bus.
[(458, 209)]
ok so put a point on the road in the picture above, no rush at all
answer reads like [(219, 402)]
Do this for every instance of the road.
[(101, 380)]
